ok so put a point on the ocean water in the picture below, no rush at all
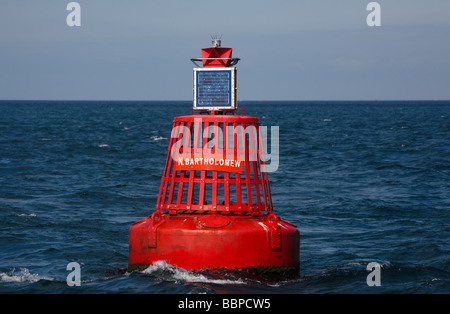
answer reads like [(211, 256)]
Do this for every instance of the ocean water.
[(363, 181)]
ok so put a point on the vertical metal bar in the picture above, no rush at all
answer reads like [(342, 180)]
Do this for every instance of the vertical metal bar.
[(226, 174), (173, 139), (163, 179), (254, 154), (215, 151), (265, 180), (201, 198), (238, 175), (192, 172), (186, 150), (261, 172), (247, 169), (174, 172)]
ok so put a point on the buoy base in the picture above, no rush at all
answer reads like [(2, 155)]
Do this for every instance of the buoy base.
[(257, 244)]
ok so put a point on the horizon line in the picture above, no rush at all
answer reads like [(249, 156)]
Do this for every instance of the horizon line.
[(242, 100)]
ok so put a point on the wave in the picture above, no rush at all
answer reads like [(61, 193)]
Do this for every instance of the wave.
[(158, 138), (26, 215), (23, 275), (168, 272)]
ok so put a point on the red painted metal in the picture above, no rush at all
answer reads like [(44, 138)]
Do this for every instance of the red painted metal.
[(215, 218), (217, 57), (223, 135), (214, 207), (237, 241)]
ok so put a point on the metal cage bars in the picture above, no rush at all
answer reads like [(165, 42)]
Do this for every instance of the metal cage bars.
[(212, 190)]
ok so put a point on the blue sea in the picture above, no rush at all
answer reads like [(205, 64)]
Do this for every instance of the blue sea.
[(364, 181)]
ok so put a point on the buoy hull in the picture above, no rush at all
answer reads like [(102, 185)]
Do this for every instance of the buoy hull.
[(197, 241)]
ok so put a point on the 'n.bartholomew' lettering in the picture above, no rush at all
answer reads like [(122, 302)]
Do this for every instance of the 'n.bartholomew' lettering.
[(218, 162)]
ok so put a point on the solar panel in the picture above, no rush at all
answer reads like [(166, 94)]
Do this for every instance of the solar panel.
[(215, 88)]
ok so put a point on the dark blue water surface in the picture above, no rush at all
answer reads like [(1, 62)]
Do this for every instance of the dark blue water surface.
[(363, 181)]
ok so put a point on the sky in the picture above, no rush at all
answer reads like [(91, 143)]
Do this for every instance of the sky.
[(289, 49)]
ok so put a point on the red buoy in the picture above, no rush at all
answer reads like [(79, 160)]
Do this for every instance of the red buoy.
[(214, 208)]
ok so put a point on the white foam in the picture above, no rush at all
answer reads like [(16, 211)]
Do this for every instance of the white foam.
[(23, 276), (26, 215), (180, 274), (103, 145), (158, 138)]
